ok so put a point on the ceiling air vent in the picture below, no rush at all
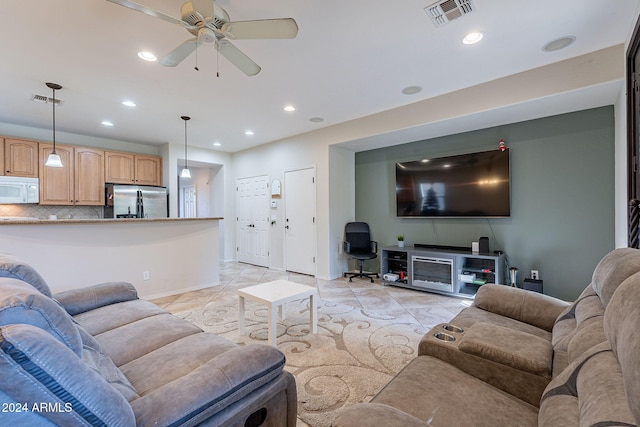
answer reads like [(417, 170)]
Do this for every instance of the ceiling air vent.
[(44, 99), (448, 10)]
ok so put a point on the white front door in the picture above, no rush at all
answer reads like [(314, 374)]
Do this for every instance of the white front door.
[(300, 220), (252, 212)]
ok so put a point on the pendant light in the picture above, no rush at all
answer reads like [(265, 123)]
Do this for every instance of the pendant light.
[(186, 173), (54, 160)]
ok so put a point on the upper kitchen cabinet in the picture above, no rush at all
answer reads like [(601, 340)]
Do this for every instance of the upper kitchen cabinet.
[(128, 168), (79, 182), (20, 158), (148, 170)]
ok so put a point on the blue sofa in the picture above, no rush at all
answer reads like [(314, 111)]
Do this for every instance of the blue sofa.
[(100, 356)]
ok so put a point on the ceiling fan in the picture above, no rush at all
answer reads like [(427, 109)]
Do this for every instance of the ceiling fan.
[(210, 23)]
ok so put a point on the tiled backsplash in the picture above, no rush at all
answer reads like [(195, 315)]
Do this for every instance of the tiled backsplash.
[(43, 211)]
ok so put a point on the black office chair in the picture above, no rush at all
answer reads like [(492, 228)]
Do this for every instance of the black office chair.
[(358, 245)]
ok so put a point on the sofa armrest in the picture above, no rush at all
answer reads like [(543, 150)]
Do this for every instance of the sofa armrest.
[(376, 414), (526, 306), (78, 301)]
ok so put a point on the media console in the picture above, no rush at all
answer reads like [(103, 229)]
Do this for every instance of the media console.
[(442, 269)]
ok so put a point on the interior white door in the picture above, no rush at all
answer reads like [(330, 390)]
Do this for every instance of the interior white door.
[(252, 211), (300, 220), (260, 222), (189, 201)]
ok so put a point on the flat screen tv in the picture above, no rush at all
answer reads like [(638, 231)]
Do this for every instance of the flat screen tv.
[(468, 185)]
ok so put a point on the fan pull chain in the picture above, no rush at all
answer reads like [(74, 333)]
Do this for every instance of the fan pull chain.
[(197, 41), (217, 63)]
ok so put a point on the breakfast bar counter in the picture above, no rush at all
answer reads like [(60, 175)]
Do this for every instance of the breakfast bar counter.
[(159, 257), (33, 221)]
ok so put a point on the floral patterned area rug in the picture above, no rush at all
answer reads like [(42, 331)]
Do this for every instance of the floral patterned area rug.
[(352, 357)]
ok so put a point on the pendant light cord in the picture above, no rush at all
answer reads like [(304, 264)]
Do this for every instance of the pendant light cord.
[(185, 144), (54, 121), (185, 118)]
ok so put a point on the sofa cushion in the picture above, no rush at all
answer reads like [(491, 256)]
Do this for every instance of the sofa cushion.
[(15, 268), (38, 369), (375, 414), (612, 270), (169, 362), (22, 303), (212, 387), (430, 388), (532, 308), (506, 346), (78, 301), (472, 315), (621, 324), (589, 392)]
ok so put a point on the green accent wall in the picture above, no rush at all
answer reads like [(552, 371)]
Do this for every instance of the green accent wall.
[(562, 196)]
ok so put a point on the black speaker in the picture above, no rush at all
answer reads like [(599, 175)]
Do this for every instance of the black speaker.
[(532, 285), (484, 245)]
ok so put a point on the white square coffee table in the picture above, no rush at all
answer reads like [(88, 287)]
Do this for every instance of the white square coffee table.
[(274, 295)]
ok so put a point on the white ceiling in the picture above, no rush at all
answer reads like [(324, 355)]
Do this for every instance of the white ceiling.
[(351, 59)]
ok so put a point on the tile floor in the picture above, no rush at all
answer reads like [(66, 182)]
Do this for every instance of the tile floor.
[(425, 308)]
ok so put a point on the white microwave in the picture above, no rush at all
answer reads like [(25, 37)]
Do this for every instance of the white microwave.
[(16, 189)]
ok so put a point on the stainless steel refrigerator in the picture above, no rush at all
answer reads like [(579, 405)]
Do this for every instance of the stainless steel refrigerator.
[(135, 201)]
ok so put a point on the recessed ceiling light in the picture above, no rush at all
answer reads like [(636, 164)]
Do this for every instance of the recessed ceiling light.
[(106, 123), (316, 119), (147, 56), (558, 44), (129, 103), (472, 38), (425, 160), (289, 108), (248, 132), (217, 144), (411, 90)]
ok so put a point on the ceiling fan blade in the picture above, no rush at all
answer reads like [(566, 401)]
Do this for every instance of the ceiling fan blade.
[(285, 28), (178, 54), (151, 12), (237, 58)]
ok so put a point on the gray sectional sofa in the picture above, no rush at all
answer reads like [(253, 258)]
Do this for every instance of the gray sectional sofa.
[(517, 358), (100, 356)]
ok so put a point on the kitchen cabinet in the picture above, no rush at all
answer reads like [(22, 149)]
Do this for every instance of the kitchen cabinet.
[(129, 168), (19, 157), (79, 182), (148, 170)]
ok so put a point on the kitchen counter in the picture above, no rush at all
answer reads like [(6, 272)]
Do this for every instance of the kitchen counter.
[(32, 221), (160, 257)]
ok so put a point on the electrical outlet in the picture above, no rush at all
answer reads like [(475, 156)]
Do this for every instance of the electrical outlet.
[(145, 275), (535, 275)]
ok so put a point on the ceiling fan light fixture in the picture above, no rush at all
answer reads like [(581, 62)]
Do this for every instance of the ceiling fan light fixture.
[(147, 56)]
